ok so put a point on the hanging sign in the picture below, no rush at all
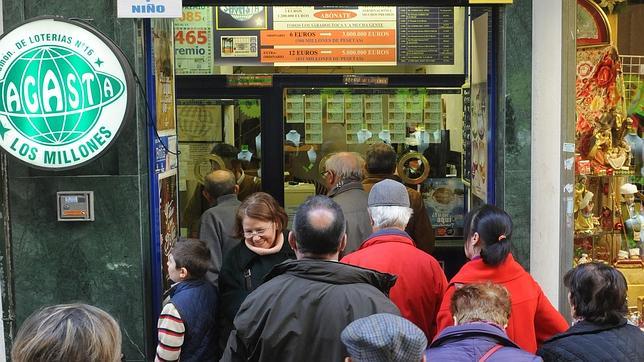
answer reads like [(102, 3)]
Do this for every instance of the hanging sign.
[(66, 90), (142, 9)]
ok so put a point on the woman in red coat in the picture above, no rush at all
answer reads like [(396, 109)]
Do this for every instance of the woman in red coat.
[(532, 319)]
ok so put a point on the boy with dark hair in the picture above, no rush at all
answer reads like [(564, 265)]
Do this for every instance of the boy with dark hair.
[(187, 322)]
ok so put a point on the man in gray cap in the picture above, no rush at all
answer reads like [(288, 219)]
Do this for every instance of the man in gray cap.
[(380, 164), (389, 249), (383, 338)]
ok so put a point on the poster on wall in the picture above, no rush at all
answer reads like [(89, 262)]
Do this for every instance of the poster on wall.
[(164, 160), (164, 75), (467, 135), (168, 219), (479, 107), (241, 17), (193, 43), (199, 121), (192, 154), (445, 203), (478, 137)]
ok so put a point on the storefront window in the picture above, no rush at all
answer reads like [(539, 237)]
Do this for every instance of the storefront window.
[(216, 134), (423, 125)]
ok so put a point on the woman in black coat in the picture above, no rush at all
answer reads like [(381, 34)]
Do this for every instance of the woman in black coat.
[(261, 223), (600, 333)]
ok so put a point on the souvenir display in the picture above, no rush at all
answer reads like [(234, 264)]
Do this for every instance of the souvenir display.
[(601, 127), (632, 220), (609, 155)]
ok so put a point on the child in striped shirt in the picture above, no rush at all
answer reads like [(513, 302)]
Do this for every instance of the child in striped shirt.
[(187, 322)]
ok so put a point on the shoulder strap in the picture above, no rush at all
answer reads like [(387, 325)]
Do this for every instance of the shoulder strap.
[(490, 352)]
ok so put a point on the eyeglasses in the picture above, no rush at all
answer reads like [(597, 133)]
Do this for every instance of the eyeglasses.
[(260, 232), (324, 173)]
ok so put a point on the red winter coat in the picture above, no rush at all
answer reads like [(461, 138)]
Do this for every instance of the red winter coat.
[(532, 318), (421, 282)]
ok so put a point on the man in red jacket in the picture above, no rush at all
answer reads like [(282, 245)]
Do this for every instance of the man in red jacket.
[(421, 281)]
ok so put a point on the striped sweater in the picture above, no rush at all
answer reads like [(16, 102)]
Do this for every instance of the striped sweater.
[(171, 334)]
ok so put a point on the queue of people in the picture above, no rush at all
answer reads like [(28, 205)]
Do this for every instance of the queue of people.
[(349, 281)]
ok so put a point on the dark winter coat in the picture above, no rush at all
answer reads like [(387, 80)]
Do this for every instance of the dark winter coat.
[(216, 230), (470, 341), (587, 341), (196, 302), (242, 272), (301, 309)]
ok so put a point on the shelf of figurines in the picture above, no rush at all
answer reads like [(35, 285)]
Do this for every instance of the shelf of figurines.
[(610, 173), (594, 169), (606, 246)]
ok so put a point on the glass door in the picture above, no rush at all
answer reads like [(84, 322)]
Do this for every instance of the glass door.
[(216, 134)]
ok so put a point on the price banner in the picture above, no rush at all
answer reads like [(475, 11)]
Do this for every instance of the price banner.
[(193, 45), (364, 35)]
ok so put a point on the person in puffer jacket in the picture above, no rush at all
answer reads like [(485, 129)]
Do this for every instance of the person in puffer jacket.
[(481, 313), (597, 300), (187, 322)]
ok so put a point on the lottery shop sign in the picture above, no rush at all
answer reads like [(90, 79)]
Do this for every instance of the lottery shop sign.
[(65, 92)]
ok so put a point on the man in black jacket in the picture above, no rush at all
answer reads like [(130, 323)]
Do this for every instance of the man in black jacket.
[(598, 302), (304, 304)]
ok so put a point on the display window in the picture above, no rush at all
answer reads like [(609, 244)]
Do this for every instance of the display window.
[(608, 215), (423, 125)]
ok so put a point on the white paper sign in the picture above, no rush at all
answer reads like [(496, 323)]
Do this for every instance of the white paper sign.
[(141, 9)]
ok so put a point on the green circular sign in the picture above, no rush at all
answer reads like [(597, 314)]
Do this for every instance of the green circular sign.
[(65, 90)]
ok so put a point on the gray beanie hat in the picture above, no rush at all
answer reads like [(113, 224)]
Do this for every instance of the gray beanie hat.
[(384, 337), (388, 193)]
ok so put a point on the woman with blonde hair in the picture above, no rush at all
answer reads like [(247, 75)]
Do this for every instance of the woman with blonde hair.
[(68, 333)]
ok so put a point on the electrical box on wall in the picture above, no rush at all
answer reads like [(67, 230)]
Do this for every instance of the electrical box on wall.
[(75, 205)]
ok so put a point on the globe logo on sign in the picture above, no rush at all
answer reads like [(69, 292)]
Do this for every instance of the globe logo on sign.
[(53, 96), (65, 93)]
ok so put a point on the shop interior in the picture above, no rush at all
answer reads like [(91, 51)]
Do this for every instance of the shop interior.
[(284, 119)]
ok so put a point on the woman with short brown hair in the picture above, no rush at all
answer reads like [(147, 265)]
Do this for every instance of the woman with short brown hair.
[(261, 223)]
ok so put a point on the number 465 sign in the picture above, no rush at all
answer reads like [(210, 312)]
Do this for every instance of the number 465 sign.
[(193, 45)]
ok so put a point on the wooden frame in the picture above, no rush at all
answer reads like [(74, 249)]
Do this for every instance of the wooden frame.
[(598, 22)]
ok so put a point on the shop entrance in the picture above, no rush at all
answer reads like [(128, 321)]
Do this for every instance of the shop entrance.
[(292, 129)]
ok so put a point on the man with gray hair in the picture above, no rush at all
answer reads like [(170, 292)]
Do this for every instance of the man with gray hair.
[(343, 175), (421, 281), (218, 222)]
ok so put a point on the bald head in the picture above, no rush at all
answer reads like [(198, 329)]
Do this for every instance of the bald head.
[(319, 227), (219, 183), (346, 166)]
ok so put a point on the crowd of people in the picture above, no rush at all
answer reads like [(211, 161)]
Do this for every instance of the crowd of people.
[(349, 281)]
